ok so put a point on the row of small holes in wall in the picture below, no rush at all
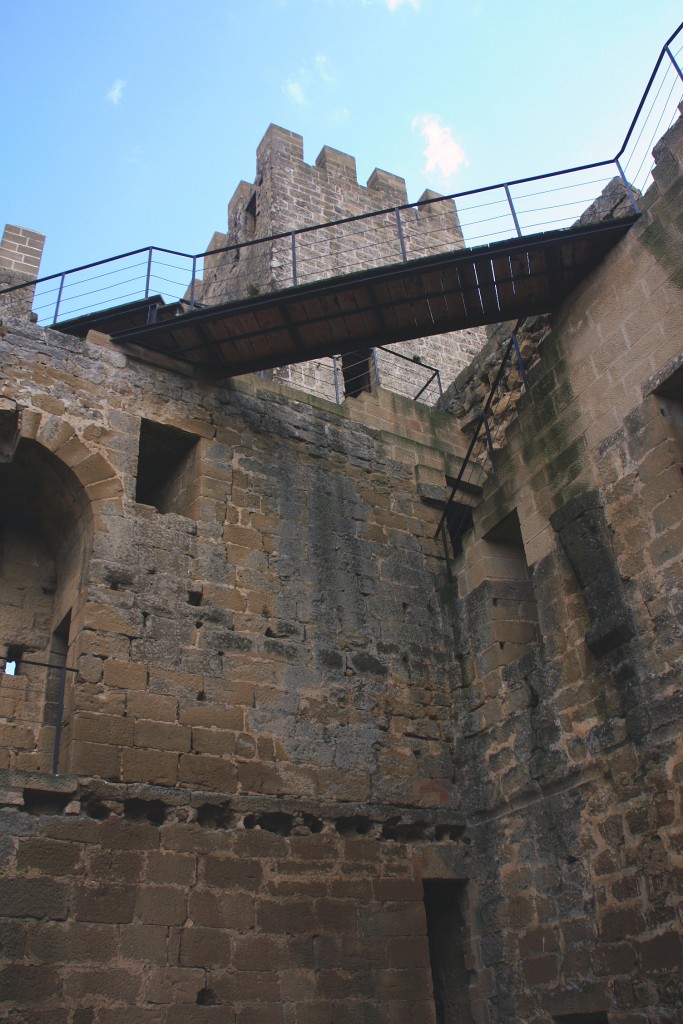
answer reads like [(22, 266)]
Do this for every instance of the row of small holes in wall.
[(217, 816)]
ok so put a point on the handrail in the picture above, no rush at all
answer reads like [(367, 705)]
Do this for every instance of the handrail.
[(663, 51), (292, 235), (311, 227), (59, 720), (480, 423)]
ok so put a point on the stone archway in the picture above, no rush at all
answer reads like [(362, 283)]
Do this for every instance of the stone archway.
[(45, 538)]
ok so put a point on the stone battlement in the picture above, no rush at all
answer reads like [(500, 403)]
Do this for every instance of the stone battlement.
[(288, 194), (280, 146)]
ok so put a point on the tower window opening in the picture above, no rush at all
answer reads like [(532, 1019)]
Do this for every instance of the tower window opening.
[(166, 468), (13, 660), (357, 372), (459, 519), (250, 218), (54, 690)]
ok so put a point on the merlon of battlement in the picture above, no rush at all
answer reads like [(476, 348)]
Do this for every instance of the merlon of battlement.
[(279, 146), (335, 162), (21, 250), (279, 142), (385, 181), (240, 198)]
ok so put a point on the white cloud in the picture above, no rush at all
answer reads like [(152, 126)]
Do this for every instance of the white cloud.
[(295, 91), (394, 5), (298, 87), (340, 115), (116, 92), (442, 153), (321, 66)]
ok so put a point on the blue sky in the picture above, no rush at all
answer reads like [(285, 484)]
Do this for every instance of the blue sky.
[(129, 123)]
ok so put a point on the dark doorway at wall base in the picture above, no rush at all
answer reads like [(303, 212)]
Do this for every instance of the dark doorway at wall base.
[(444, 900)]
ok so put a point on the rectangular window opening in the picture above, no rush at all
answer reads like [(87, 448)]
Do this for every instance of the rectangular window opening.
[(166, 468), (357, 372), (459, 520), (460, 510), (514, 613), (250, 218), (13, 658), (54, 687)]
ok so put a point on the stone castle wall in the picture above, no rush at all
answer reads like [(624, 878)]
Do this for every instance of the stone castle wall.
[(289, 194), (259, 712), (303, 779), (570, 702)]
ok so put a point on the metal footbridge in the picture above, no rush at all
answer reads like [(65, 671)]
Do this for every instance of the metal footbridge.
[(418, 298)]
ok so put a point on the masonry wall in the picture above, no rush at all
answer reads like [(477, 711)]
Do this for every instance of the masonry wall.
[(149, 906), (569, 736), (256, 768), (282, 719)]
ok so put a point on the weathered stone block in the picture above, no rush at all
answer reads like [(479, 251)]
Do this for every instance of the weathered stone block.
[(48, 856), (161, 904), (105, 903), (77, 943), (157, 767), (36, 898), (161, 736), (143, 943), (207, 772), (204, 947), (17, 980), (124, 673)]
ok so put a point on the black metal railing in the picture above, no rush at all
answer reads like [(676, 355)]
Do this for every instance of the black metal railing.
[(519, 207), (23, 700), (457, 514), (340, 377)]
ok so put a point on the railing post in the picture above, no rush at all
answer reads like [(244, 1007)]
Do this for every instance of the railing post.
[(425, 386), (444, 538), (295, 276), (627, 186), (400, 234), (512, 211), (520, 364), (442, 400), (375, 366), (336, 379), (489, 440), (149, 272), (59, 297), (58, 722), (674, 62), (194, 274)]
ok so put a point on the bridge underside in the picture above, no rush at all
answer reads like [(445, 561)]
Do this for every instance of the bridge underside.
[(448, 292)]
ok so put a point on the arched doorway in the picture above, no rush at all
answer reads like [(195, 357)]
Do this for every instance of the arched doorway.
[(45, 533)]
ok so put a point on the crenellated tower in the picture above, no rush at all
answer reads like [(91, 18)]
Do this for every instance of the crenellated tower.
[(288, 194)]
